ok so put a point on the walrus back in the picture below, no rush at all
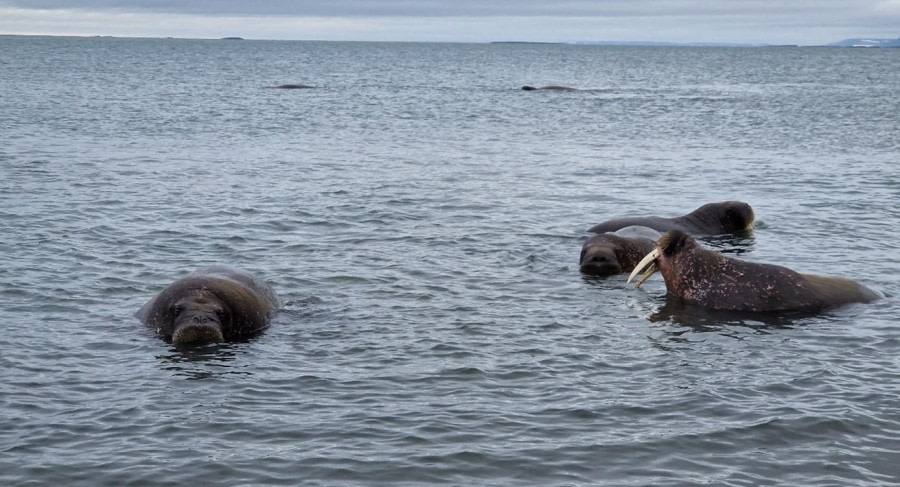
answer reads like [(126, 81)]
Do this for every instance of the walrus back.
[(836, 291), (241, 277), (654, 222)]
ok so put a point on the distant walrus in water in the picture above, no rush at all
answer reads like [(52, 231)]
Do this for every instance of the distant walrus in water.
[(709, 219), (709, 279), (606, 254), (292, 87), (213, 304), (548, 88)]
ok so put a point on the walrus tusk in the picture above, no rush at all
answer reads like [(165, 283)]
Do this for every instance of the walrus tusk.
[(649, 261), (646, 275)]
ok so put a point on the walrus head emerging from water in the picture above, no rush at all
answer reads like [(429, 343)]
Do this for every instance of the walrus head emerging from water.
[(607, 254), (709, 279), (214, 304), (199, 317), (733, 216)]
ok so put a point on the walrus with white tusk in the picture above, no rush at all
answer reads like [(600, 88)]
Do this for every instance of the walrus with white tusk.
[(711, 280)]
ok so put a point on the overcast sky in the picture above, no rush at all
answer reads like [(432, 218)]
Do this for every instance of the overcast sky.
[(803, 22)]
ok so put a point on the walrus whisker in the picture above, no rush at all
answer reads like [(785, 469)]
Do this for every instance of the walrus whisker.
[(649, 261)]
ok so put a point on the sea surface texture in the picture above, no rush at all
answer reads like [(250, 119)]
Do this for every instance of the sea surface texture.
[(421, 218)]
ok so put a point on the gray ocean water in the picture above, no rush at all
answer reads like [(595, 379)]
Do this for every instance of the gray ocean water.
[(421, 218)]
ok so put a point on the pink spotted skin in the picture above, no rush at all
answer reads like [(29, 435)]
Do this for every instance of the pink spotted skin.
[(711, 280)]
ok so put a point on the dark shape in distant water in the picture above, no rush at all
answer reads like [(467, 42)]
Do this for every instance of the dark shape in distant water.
[(526, 42), (709, 279), (607, 254), (292, 87), (549, 88), (710, 219), (232, 38), (212, 304)]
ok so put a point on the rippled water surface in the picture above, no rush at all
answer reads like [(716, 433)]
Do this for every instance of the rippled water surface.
[(421, 218)]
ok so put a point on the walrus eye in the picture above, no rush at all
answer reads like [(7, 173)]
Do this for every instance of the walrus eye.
[(176, 309), (221, 313)]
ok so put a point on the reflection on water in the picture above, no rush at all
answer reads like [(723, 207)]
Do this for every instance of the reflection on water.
[(605, 283), (736, 243), (203, 361), (698, 318)]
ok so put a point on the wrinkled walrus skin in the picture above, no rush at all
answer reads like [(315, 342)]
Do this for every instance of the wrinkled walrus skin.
[(212, 304), (709, 279)]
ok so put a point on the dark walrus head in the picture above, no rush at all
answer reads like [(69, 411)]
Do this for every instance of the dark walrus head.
[(607, 254), (733, 216), (672, 248), (198, 317), (214, 304), (599, 260)]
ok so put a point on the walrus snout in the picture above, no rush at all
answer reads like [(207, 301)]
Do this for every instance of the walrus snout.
[(197, 328), (739, 217), (198, 333), (600, 264), (648, 265)]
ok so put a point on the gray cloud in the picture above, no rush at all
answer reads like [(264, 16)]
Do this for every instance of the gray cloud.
[(463, 8), (748, 21)]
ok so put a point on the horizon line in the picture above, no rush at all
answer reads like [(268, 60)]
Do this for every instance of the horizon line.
[(568, 43)]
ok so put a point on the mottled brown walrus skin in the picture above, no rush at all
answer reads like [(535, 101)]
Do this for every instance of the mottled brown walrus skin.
[(607, 254), (709, 279), (212, 304), (710, 219)]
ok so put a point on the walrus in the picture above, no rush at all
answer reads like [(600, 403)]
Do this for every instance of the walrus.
[(606, 254), (709, 279), (548, 88), (212, 304), (292, 87), (710, 219)]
